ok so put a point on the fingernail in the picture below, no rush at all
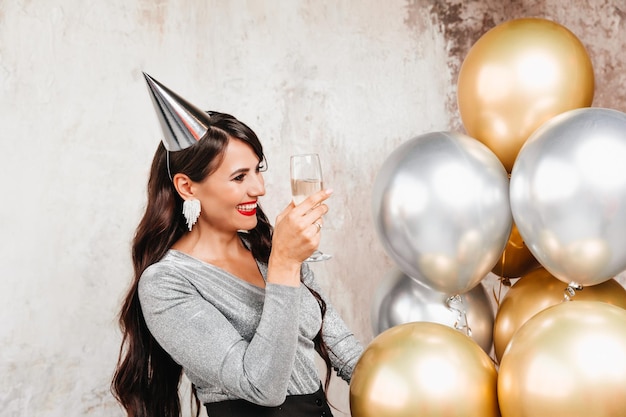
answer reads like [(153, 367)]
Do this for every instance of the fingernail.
[(329, 191)]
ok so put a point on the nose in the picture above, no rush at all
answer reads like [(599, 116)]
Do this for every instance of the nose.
[(257, 186)]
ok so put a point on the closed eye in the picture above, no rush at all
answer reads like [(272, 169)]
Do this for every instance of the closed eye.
[(241, 173)]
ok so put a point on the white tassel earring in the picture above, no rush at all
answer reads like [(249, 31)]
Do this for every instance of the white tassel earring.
[(191, 211)]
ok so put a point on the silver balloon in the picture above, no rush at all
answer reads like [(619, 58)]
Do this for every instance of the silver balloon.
[(441, 209), (568, 195), (400, 299)]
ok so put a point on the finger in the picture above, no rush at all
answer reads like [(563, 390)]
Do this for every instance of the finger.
[(314, 200), (281, 216), (315, 214)]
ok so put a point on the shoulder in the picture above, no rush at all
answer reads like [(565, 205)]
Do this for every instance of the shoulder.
[(168, 265), (166, 274)]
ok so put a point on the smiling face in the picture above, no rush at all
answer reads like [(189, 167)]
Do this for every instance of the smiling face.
[(228, 196)]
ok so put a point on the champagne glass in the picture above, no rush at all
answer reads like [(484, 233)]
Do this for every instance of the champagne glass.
[(306, 179)]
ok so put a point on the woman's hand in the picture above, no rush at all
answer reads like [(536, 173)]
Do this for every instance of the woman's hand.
[(296, 236)]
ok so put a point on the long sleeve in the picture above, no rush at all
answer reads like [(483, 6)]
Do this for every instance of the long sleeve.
[(344, 348), (201, 337)]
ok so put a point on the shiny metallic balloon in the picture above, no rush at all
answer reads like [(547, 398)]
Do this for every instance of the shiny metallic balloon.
[(568, 195), (516, 260), (400, 299), (535, 292), (517, 76), (567, 360), (423, 369), (441, 209)]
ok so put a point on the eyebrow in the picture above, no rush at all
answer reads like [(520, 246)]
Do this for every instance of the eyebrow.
[(245, 170), (240, 171)]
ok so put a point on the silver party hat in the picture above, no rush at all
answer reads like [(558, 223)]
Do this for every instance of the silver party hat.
[(183, 123)]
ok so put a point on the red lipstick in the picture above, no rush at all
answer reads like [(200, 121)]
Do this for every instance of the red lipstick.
[(248, 208)]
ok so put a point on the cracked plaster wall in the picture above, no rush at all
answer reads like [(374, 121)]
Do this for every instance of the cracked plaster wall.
[(348, 79)]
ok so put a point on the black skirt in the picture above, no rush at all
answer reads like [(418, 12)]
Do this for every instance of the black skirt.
[(309, 405)]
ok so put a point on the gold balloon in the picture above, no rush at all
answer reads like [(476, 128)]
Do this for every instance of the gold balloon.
[(423, 369), (516, 259), (517, 76), (537, 291), (568, 360)]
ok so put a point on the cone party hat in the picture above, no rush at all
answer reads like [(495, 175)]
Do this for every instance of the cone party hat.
[(183, 123)]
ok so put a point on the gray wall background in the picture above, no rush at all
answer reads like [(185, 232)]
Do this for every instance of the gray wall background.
[(348, 79)]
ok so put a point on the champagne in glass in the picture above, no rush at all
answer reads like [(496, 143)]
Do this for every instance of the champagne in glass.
[(306, 179), (302, 188)]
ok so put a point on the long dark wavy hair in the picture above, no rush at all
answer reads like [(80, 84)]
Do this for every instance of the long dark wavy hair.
[(146, 380)]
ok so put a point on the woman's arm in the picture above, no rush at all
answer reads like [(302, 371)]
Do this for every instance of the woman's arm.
[(344, 348), (201, 339)]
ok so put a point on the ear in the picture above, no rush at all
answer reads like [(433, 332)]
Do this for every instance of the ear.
[(183, 183)]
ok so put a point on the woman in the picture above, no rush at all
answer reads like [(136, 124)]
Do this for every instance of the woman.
[(219, 293)]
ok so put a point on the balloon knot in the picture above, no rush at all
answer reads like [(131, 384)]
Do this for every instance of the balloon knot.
[(570, 291), (455, 303)]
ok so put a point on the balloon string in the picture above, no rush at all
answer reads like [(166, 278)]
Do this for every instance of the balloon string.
[(570, 291), (455, 303), (502, 280)]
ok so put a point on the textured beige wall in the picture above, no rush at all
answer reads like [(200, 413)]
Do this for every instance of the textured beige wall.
[(348, 79)]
